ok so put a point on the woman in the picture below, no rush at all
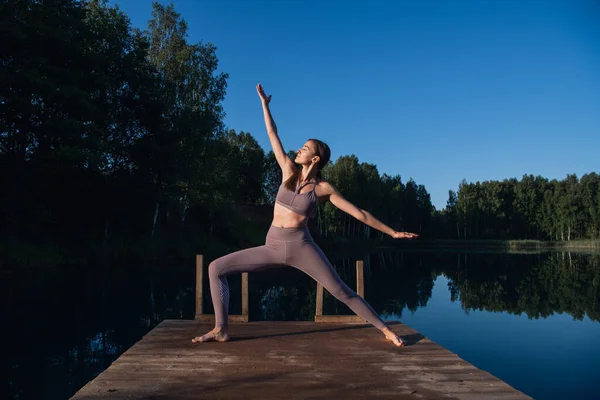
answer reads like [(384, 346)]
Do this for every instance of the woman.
[(288, 241)]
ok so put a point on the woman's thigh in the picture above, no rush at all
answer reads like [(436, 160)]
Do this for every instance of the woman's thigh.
[(249, 260), (310, 259)]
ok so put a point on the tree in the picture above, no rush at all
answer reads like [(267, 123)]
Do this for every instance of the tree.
[(240, 168), (272, 177), (452, 211), (590, 202), (183, 144)]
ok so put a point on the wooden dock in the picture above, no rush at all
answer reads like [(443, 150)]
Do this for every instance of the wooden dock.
[(291, 360)]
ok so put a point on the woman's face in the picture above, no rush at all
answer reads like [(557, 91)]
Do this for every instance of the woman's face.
[(306, 155)]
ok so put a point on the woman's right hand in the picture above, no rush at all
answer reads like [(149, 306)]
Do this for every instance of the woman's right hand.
[(263, 97)]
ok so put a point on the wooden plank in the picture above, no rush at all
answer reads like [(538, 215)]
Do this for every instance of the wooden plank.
[(199, 283), (319, 310), (295, 360), (338, 318), (360, 278), (211, 318), (245, 294)]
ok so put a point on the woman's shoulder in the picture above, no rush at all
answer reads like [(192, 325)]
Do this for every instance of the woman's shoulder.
[(324, 187)]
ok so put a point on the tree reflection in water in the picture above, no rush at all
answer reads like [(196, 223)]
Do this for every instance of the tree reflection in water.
[(66, 330)]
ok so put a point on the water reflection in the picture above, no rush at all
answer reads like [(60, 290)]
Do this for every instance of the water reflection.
[(67, 330), (537, 285)]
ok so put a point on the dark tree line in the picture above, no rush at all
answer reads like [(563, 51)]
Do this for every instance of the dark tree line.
[(112, 143), (111, 137), (113, 151), (532, 208)]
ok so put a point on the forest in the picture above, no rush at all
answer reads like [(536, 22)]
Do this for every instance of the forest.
[(532, 208), (114, 151)]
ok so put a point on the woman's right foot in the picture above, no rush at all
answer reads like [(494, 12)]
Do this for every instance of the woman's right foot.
[(218, 334), (392, 337)]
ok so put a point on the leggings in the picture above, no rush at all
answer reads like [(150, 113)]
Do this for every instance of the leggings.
[(284, 247)]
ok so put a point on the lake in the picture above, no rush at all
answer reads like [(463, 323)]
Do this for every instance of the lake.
[(533, 320)]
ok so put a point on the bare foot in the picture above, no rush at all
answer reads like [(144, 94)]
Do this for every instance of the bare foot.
[(392, 337), (217, 334)]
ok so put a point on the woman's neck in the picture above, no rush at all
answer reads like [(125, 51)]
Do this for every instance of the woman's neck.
[(307, 174)]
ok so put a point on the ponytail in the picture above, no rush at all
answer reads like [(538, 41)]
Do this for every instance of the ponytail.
[(324, 153)]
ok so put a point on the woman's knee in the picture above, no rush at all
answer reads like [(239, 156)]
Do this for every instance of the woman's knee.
[(215, 268)]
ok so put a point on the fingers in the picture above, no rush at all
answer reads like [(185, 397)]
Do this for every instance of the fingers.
[(407, 235), (261, 93)]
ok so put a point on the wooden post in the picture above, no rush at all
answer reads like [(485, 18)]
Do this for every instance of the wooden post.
[(319, 310), (245, 296), (199, 281), (360, 290), (360, 278)]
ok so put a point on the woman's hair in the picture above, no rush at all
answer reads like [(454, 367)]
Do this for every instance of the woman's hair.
[(321, 150)]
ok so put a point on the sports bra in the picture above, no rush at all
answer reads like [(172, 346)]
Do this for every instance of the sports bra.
[(301, 203)]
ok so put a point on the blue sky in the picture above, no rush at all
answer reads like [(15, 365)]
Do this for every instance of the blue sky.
[(434, 90)]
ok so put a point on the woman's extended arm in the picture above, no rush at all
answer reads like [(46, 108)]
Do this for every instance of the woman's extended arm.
[(363, 216), (282, 159)]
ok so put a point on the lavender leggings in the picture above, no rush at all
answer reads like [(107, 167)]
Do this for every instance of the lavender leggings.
[(284, 246)]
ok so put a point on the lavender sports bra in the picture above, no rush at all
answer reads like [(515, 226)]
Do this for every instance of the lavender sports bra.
[(301, 203)]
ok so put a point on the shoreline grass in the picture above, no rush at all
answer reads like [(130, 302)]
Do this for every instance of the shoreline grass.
[(518, 246)]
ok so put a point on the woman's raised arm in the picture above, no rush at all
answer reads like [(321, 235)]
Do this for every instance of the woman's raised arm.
[(286, 165)]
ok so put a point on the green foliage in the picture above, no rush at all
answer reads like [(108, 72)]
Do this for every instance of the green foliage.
[(113, 147), (532, 208), (272, 178), (112, 144), (113, 150), (403, 207)]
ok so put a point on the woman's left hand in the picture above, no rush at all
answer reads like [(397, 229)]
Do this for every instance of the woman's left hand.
[(404, 235)]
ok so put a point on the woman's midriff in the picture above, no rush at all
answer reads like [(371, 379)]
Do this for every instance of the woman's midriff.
[(284, 218)]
